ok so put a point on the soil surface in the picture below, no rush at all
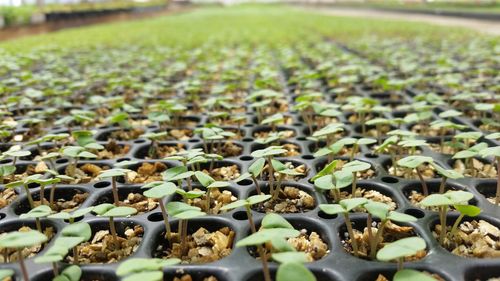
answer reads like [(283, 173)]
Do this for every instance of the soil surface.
[(203, 246), (103, 248), (474, 239), (26, 252), (290, 200)]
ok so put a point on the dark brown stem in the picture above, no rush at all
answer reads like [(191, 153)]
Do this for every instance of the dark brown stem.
[(378, 236), (400, 264), (112, 229), (270, 171), (257, 187), (22, 265), (425, 190), (28, 194), (55, 270), (75, 255), (370, 235), (116, 199), (52, 195), (207, 206), (354, 183), (442, 215), (38, 225), (183, 236), (497, 197), (42, 195), (442, 185)]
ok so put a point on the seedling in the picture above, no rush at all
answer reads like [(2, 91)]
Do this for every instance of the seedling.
[(43, 183), (140, 269), (113, 174), (414, 162), (268, 153), (443, 201), (333, 181), (209, 183), (75, 153), (160, 190), (354, 167), (5, 274), (37, 213), (154, 137), (183, 212), (344, 207), (328, 132), (70, 273), (111, 211), (282, 172), (274, 229), (274, 120), (383, 212), (177, 174), (254, 171), (378, 122), (15, 154), (411, 274), (19, 240), (25, 184), (210, 134), (468, 154), (445, 174), (494, 152), (400, 249)]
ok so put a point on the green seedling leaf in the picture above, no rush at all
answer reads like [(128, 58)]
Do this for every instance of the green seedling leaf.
[(332, 209), (436, 200), (276, 118), (351, 203), (189, 194), (268, 151), (78, 229), (468, 210), (159, 189), (287, 257), (203, 178), (256, 168), (273, 220), (111, 173), (265, 235), (121, 211), (490, 151), (493, 136), (142, 276), (18, 239), (412, 275), (254, 199), (74, 215), (137, 265), (126, 163), (414, 161), (451, 174), (294, 271), (5, 273), (356, 166), (234, 205), (70, 273), (328, 130), (377, 209), (7, 170), (401, 248), (175, 208), (401, 217), (38, 212), (459, 197), (326, 170)]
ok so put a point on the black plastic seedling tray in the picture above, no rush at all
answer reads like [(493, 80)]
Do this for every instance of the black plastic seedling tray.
[(240, 265)]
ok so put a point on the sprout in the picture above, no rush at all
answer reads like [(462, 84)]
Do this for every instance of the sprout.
[(113, 174), (19, 240), (443, 201), (75, 152), (292, 267), (159, 190), (183, 212), (70, 273), (153, 137), (6, 273), (140, 269), (37, 213), (445, 174), (344, 207), (468, 154), (411, 274), (274, 229), (382, 211), (208, 182), (413, 162), (111, 211), (282, 172), (329, 132), (254, 171), (334, 182), (275, 119), (268, 153), (354, 167), (495, 152), (400, 249), (15, 154), (25, 183)]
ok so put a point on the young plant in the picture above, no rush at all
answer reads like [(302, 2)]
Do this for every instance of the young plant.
[(209, 183), (333, 181), (274, 229), (445, 174), (70, 273), (254, 171), (25, 184), (76, 153), (413, 162), (443, 202), (274, 120), (153, 137), (328, 132), (5, 171), (268, 153), (344, 207), (400, 249), (142, 269), (354, 167), (283, 171), (383, 212), (113, 174), (37, 213), (112, 211), (160, 190), (468, 154), (19, 240), (183, 212), (292, 267)]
